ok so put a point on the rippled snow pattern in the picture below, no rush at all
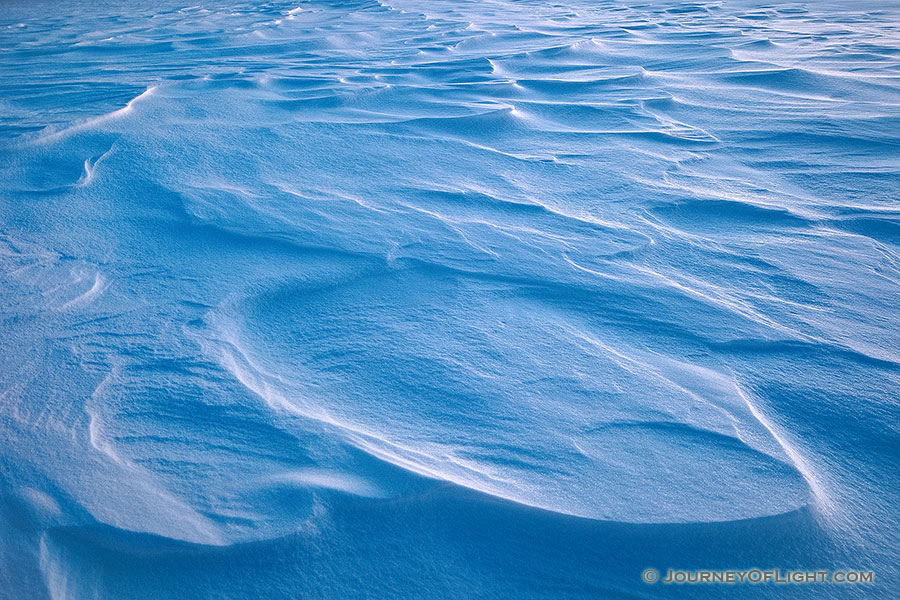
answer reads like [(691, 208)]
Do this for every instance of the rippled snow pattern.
[(446, 299)]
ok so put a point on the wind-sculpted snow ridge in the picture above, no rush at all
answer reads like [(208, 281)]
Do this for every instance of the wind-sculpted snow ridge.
[(447, 299)]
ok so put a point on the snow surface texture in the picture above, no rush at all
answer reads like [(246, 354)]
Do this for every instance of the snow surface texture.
[(447, 299)]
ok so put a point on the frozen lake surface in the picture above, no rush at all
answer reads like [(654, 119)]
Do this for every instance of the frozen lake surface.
[(447, 298)]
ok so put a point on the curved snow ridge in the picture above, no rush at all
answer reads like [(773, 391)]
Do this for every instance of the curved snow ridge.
[(93, 123), (46, 281), (525, 404)]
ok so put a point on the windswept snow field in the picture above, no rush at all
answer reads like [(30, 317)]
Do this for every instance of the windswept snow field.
[(447, 298)]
